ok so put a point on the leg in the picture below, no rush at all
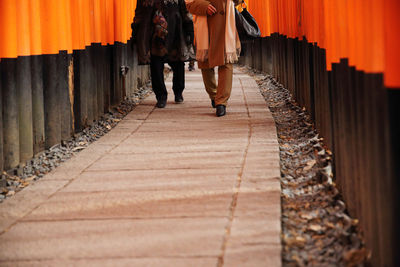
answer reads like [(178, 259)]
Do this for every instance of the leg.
[(209, 82), (157, 78), (224, 89), (178, 79), (191, 65)]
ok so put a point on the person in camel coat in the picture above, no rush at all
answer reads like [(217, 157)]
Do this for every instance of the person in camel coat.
[(217, 45)]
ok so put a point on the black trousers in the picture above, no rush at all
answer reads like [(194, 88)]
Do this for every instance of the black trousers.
[(157, 77)]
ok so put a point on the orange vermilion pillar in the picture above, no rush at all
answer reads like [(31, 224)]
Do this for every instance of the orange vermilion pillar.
[(92, 22), (49, 24), (64, 26), (8, 29), (87, 25), (342, 31), (124, 21), (35, 28), (110, 21), (76, 36), (117, 28), (328, 33), (352, 48), (103, 22), (377, 37), (97, 22), (392, 43), (23, 29), (366, 32)]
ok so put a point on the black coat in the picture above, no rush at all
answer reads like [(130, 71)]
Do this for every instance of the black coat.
[(163, 28)]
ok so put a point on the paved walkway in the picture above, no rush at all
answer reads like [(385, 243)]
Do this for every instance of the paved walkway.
[(167, 187)]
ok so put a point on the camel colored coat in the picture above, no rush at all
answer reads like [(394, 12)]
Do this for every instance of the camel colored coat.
[(216, 29)]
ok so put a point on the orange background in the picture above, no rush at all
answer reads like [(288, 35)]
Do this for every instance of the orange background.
[(35, 27), (367, 32)]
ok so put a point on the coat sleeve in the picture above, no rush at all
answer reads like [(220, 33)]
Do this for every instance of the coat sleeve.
[(139, 15), (197, 7), (187, 20)]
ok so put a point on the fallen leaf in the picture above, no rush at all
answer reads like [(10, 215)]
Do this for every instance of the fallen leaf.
[(356, 257), (10, 193), (315, 227), (309, 165), (297, 241)]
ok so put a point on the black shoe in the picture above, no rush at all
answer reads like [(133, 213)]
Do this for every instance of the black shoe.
[(161, 103), (213, 103), (221, 110), (178, 99)]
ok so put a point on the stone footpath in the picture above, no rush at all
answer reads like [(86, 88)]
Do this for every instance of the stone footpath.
[(166, 187)]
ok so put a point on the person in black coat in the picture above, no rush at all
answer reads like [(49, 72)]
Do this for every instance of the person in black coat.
[(163, 33)]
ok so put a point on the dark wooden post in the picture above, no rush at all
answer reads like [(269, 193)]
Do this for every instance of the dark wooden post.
[(24, 94), (266, 55), (135, 70), (81, 84), (290, 62), (64, 102), (394, 127), (37, 104), (1, 125), (51, 91), (116, 70), (99, 80), (10, 114), (90, 73), (108, 77)]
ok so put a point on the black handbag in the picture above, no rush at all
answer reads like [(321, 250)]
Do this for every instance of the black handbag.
[(246, 25)]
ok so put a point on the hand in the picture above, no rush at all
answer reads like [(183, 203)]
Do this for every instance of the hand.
[(211, 10)]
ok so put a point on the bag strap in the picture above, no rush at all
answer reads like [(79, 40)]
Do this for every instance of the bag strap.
[(241, 6)]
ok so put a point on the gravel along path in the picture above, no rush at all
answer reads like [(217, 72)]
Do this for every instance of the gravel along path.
[(317, 230), (16, 179)]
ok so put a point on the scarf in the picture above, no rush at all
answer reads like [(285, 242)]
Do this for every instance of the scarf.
[(232, 44)]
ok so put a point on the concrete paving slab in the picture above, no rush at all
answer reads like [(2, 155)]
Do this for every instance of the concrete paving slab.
[(140, 112), (150, 180), (122, 262), (174, 146), (26, 201), (257, 202), (115, 137), (166, 187), (198, 160), (193, 134), (182, 136), (125, 204), (142, 194), (123, 238), (79, 162), (203, 126)]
